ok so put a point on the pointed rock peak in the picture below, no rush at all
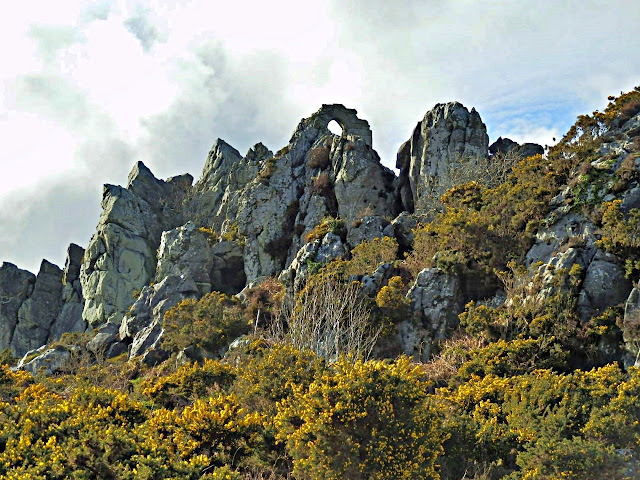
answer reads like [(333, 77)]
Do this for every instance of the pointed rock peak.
[(8, 270), (502, 145), (505, 146), (220, 147), (219, 161), (183, 182), (447, 132), (258, 152), (74, 253), (46, 267), (449, 109), (454, 114), (140, 172)]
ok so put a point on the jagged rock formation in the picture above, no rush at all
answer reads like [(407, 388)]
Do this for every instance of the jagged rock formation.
[(225, 174), (250, 217), (120, 258), (507, 146), (70, 318), (568, 237), (446, 133), (15, 286), (315, 176), (38, 309)]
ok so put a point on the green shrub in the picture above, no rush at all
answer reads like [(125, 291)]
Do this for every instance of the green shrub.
[(370, 254), (267, 171), (327, 225), (621, 235), (210, 323), (188, 383)]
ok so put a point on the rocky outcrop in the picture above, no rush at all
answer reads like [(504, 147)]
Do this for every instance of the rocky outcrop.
[(49, 360), (368, 228), (317, 175), (120, 258), (250, 217), (437, 299), (446, 133), (141, 328), (212, 263), (15, 286), (225, 175), (186, 249), (39, 311), (631, 328), (70, 318), (505, 146), (604, 285), (190, 264)]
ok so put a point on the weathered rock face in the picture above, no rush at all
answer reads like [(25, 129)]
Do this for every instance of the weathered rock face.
[(15, 286), (38, 312), (224, 176), (70, 318), (446, 133), (631, 328), (368, 228), (190, 265), (569, 238), (142, 326), (120, 258), (186, 250), (149, 232), (48, 360), (604, 285), (599, 283), (437, 299), (317, 175)]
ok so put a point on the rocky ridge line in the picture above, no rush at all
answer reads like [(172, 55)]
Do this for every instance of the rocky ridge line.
[(155, 243)]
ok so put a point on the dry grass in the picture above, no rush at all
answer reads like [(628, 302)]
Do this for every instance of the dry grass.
[(318, 158), (330, 318), (453, 353)]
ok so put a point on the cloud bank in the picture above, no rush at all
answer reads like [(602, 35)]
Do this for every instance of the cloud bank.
[(88, 88)]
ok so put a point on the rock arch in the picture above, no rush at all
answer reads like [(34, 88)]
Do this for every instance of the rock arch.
[(348, 120)]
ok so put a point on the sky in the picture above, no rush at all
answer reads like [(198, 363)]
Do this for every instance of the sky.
[(87, 88)]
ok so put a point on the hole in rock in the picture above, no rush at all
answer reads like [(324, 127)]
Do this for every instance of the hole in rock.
[(335, 128)]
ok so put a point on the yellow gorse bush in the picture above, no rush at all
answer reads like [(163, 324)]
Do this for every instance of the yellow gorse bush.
[(361, 420)]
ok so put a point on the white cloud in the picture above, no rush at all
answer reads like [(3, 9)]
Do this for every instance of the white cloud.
[(48, 155), (88, 87)]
